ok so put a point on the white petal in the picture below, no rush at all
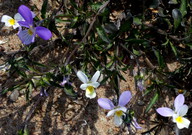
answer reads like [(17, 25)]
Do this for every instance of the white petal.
[(5, 19), (83, 86), (182, 111), (90, 95), (18, 17), (82, 77), (95, 84), (110, 113), (95, 76), (174, 117), (184, 124), (124, 109), (16, 25), (118, 120)]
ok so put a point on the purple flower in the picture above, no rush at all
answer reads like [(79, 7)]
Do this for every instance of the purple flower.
[(27, 36), (43, 92), (65, 80), (180, 110), (119, 110), (140, 84)]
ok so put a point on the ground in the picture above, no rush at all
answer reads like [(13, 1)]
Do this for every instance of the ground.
[(57, 114)]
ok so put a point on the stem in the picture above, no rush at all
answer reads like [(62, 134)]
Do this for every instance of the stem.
[(87, 33), (176, 130)]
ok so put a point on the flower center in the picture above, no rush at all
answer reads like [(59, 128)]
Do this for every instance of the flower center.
[(180, 91), (30, 32), (179, 119), (11, 21), (119, 113), (89, 89)]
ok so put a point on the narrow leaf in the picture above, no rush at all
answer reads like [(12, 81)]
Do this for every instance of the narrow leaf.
[(44, 8), (173, 48), (183, 7), (152, 102)]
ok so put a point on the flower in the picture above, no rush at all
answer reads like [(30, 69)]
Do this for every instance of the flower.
[(139, 79), (43, 92), (89, 85), (140, 84), (119, 110), (9, 21), (180, 111), (27, 36), (65, 81)]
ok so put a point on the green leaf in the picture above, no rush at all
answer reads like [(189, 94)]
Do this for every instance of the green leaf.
[(22, 73), (183, 7), (136, 52), (109, 64), (159, 58), (96, 6), (148, 90), (74, 21), (166, 43), (102, 34), (61, 21), (110, 28), (68, 89), (46, 80), (9, 89), (29, 90), (152, 102), (177, 16), (173, 48), (126, 25), (32, 69), (44, 8), (23, 132), (155, 4), (39, 64), (173, 2), (137, 21)]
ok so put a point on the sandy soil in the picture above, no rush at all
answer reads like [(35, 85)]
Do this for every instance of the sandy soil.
[(57, 114)]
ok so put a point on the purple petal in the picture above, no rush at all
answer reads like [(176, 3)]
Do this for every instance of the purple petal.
[(24, 24), (105, 103), (63, 82), (26, 14), (124, 98), (25, 37), (136, 125), (179, 101), (43, 33), (165, 111)]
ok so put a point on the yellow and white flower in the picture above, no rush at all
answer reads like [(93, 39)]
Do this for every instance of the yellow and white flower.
[(177, 114), (9, 21), (119, 110), (179, 119), (89, 85)]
